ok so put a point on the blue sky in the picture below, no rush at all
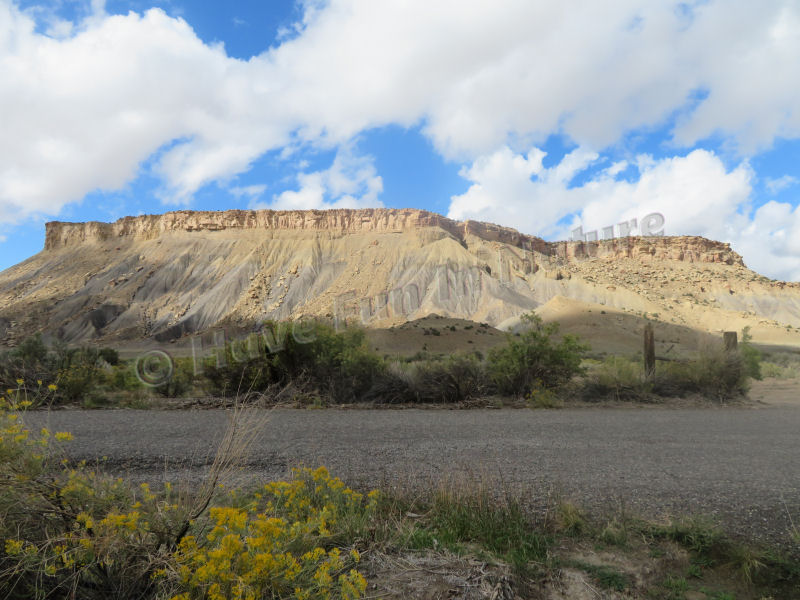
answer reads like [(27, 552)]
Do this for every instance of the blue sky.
[(528, 114)]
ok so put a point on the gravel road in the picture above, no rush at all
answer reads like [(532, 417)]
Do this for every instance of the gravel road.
[(741, 465)]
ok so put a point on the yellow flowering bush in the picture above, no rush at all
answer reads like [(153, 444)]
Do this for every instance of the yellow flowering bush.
[(71, 531), (275, 545)]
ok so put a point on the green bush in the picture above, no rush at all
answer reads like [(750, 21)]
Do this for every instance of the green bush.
[(110, 355), (76, 372), (30, 363), (451, 379), (783, 365), (122, 378), (395, 385), (181, 381), (778, 371), (456, 379), (535, 358), (616, 377), (542, 397), (751, 357), (339, 365), (715, 373)]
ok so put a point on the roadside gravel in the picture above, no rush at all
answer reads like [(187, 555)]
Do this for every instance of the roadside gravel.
[(739, 465)]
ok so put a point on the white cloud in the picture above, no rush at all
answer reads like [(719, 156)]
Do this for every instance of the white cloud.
[(502, 190), (252, 192), (82, 110), (779, 184), (695, 193), (82, 114), (350, 182)]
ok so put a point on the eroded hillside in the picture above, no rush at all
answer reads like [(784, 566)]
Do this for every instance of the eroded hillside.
[(166, 276)]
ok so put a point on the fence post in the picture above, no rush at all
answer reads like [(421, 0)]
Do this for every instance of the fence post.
[(649, 352), (731, 342)]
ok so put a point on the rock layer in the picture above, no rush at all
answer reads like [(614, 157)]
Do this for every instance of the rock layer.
[(167, 276), (380, 220)]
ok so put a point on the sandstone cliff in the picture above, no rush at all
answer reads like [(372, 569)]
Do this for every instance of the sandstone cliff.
[(166, 276), (380, 220)]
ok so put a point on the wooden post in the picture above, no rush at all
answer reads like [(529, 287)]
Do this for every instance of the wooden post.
[(649, 352), (731, 342)]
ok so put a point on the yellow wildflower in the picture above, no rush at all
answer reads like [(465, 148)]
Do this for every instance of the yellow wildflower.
[(14, 547)]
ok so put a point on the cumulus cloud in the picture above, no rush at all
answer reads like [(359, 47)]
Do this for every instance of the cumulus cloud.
[(350, 182), (84, 107), (515, 189), (82, 114), (770, 240), (695, 193)]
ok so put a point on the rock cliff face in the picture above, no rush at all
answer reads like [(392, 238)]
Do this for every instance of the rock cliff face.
[(342, 221), (380, 220), (167, 276)]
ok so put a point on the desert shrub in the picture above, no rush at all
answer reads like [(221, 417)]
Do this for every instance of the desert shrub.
[(337, 363), (616, 377), (77, 372), (395, 385), (778, 371), (69, 531), (457, 378), (783, 365), (751, 356), (242, 367), (535, 356), (420, 356), (715, 373), (271, 547), (542, 397), (123, 378), (181, 380), (110, 355), (30, 362)]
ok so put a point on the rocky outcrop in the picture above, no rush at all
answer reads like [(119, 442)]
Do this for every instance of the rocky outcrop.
[(377, 220), (383, 220), (679, 248)]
